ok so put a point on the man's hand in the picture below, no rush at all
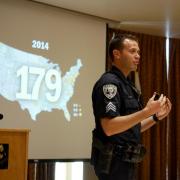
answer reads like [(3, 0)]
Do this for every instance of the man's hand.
[(155, 106), (165, 109)]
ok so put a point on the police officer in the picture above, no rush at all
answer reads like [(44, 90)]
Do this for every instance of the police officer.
[(119, 115)]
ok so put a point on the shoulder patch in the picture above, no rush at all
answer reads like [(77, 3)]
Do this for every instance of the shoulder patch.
[(109, 90)]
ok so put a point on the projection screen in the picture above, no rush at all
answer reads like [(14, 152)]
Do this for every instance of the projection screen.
[(49, 61)]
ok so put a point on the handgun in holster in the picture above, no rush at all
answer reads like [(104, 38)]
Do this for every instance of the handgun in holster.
[(101, 155)]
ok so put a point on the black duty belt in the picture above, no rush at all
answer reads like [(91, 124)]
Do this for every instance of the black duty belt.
[(102, 154)]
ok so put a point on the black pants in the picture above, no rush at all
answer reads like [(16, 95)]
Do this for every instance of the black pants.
[(119, 171)]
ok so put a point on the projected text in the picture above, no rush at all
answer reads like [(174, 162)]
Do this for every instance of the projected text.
[(52, 80)]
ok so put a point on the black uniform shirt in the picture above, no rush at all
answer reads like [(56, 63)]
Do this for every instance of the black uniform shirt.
[(114, 95)]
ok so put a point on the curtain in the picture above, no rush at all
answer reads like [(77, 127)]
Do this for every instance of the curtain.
[(41, 170), (174, 118), (153, 78)]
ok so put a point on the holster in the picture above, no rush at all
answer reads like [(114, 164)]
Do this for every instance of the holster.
[(101, 155)]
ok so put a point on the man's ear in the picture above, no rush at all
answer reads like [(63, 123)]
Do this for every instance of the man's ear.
[(116, 54)]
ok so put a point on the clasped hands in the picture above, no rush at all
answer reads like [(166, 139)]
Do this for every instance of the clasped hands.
[(160, 107)]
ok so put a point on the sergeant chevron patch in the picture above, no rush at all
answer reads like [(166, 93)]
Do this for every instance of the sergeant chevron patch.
[(110, 106)]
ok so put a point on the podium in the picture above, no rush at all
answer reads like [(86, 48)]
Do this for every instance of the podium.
[(14, 154)]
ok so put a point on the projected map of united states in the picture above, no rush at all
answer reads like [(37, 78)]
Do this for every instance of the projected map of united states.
[(35, 82)]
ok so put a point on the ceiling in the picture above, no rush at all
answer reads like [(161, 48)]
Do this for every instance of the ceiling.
[(156, 17)]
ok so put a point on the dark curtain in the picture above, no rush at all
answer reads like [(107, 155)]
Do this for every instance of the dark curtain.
[(153, 77), (41, 171), (174, 119)]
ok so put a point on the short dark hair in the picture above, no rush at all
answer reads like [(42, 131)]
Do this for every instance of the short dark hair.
[(117, 42)]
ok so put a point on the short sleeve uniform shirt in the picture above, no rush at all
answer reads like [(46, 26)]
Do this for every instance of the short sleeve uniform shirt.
[(114, 95)]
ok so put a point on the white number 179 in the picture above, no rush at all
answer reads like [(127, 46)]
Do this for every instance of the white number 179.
[(52, 81)]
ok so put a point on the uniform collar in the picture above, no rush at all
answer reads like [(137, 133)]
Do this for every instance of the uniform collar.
[(125, 79), (119, 73)]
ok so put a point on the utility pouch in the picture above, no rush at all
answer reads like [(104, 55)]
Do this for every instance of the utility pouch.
[(101, 155), (132, 154)]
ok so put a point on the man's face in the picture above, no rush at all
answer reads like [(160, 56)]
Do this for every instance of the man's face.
[(129, 55)]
